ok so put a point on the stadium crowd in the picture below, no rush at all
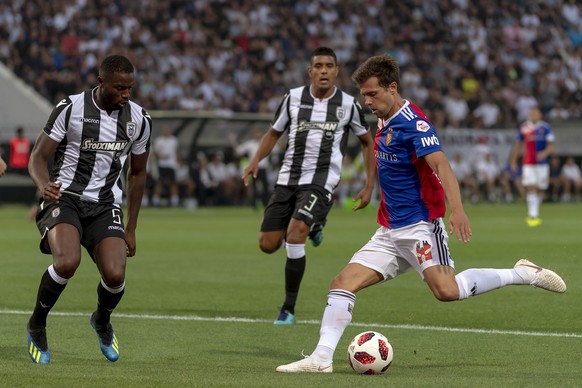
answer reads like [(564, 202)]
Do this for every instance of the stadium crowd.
[(475, 63)]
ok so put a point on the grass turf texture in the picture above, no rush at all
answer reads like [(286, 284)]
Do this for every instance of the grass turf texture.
[(201, 298)]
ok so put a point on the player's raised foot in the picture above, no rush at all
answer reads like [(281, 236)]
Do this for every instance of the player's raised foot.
[(37, 345), (316, 235), (308, 364), (532, 222), (539, 277), (285, 318), (107, 339)]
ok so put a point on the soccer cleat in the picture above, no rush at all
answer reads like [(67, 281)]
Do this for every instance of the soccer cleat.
[(308, 364), (539, 277), (107, 340), (285, 318), (532, 222), (37, 345), (316, 235)]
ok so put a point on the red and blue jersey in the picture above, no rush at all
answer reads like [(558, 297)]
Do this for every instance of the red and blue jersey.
[(535, 138), (411, 191)]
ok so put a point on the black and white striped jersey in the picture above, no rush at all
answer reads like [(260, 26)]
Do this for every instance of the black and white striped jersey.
[(318, 136), (93, 145)]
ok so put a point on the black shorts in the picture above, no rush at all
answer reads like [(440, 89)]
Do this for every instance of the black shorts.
[(94, 221), (167, 175), (310, 204)]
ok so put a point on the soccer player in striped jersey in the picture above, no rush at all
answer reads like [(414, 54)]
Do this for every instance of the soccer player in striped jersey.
[(318, 119), (536, 138), (414, 176), (91, 135)]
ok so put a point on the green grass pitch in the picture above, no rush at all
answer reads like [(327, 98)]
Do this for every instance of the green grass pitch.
[(201, 298)]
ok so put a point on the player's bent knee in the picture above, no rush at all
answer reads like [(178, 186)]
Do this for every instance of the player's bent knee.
[(66, 265), (446, 294)]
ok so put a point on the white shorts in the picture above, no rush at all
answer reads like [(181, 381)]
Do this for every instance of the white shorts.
[(392, 252), (537, 175)]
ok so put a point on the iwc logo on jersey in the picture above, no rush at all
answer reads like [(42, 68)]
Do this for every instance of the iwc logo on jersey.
[(423, 251), (422, 126), (56, 213), (131, 128), (340, 112)]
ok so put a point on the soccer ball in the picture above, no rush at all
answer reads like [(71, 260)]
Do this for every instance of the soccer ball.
[(370, 353)]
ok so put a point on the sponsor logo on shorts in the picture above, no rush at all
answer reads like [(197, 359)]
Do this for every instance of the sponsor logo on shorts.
[(115, 227), (423, 251), (306, 213)]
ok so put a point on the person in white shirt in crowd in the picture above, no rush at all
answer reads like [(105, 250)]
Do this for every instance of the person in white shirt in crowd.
[(186, 185), (464, 173), (260, 189), (487, 175), (166, 154), (571, 180)]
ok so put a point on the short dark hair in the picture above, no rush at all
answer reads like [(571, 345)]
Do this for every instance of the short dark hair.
[(383, 67), (115, 64), (324, 51)]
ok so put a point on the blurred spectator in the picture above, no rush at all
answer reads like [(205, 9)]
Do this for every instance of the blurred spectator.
[(510, 183), (556, 181), (166, 153), (571, 179), (260, 188), (488, 174), (456, 108), (19, 152), (487, 113), (464, 174), (225, 180), (205, 185), (479, 150), (186, 185), (2, 166), (226, 55)]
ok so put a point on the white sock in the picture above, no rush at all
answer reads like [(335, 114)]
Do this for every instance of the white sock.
[(336, 317), (55, 276), (533, 205), (477, 281), (295, 251)]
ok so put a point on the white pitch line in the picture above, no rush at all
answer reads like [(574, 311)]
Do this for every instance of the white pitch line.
[(310, 322)]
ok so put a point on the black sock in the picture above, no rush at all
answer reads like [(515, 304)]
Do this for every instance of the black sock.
[(48, 294), (294, 270), (106, 302)]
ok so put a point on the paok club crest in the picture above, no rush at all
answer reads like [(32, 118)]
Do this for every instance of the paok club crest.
[(340, 112), (131, 129)]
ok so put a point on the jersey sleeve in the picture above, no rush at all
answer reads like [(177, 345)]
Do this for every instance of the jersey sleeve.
[(56, 126), (358, 122), (282, 118), (424, 138), (143, 142)]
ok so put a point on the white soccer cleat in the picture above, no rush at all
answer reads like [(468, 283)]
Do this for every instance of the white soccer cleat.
[(539, 277), (308, 364)]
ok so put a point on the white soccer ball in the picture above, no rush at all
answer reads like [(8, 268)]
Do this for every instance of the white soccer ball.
[(370, 353)]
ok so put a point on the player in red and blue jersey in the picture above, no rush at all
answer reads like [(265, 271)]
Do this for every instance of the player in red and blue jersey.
[(415, 177), (536, 138)]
